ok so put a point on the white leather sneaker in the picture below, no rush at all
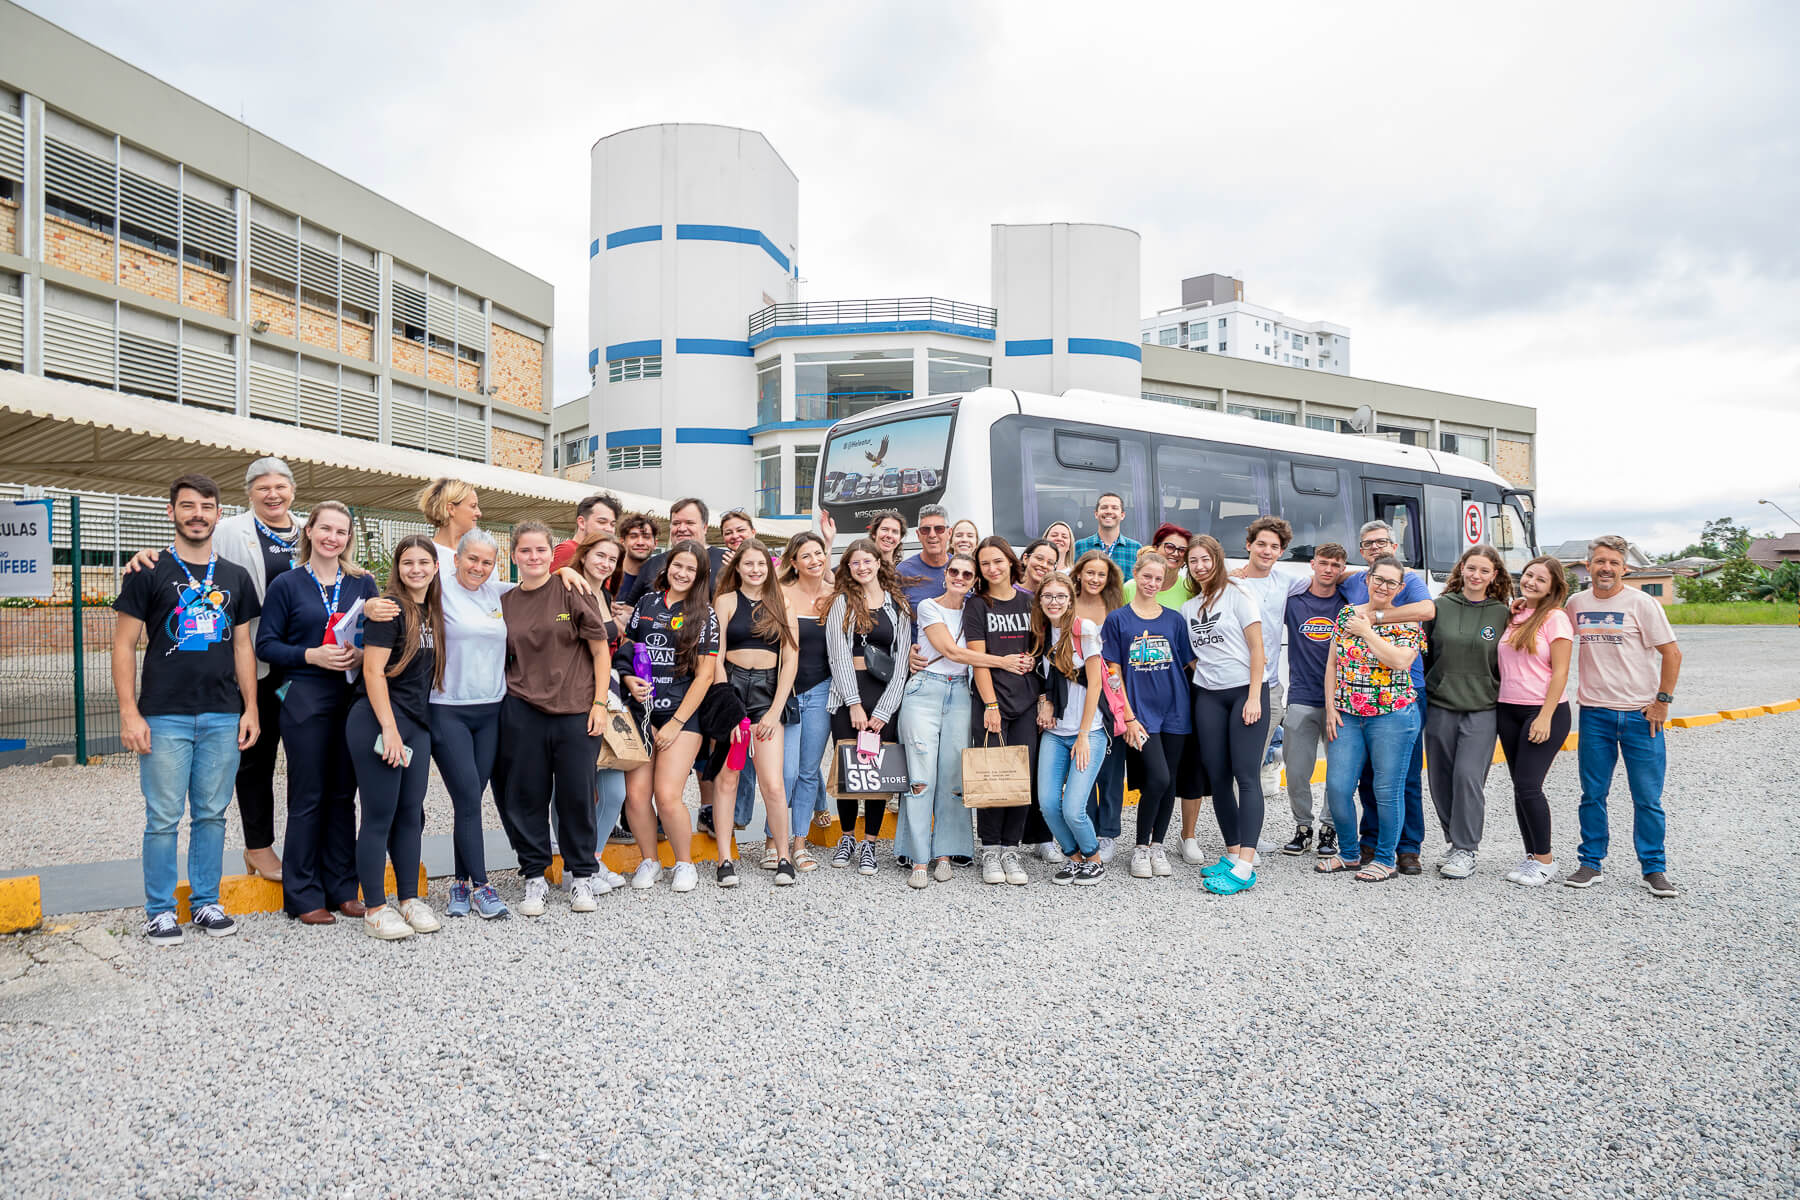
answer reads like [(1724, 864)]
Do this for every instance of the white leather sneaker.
[(418, 914), (386, 924)]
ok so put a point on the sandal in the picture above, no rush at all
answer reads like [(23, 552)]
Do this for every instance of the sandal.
[(771, 858), (803, 859), (1376, 873), (1324, 867)]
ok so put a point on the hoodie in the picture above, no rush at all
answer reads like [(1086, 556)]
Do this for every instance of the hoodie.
[(1462, 656)]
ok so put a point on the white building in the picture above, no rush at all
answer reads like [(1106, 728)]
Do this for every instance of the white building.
[(1214, 318)]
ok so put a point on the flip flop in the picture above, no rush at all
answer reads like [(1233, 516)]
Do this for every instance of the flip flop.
[(1342, 865), (1382, 873)]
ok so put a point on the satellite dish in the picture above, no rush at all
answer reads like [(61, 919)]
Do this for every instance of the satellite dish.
[(1363, 419)]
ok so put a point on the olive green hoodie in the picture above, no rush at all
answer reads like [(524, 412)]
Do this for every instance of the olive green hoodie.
[(1462, 656)]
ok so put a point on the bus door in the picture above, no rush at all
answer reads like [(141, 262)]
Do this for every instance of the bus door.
[(1402, 506)]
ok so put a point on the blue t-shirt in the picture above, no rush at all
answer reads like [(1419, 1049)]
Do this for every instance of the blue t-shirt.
[(1310, 623), (1356, 591), (1153, 657), (929, 586)]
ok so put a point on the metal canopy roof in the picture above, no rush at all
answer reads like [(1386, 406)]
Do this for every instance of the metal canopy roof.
[(70, 435)]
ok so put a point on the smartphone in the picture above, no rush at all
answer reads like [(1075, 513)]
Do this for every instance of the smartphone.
[(405, 752)]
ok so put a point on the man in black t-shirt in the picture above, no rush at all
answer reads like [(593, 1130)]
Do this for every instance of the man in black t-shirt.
[(196, 709)]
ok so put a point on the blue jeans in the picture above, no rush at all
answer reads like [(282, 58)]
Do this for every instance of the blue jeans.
[(1106, 806), (1412, 823), (745, 807), (934, 730), (1386, 744), (1606, 736), (191, 767), (803, 748), (1063, 791), (609, 802)]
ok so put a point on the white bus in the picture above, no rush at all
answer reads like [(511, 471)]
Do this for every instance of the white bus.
[(1013, 462)]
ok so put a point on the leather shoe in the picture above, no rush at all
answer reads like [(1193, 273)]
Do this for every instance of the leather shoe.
[(318, 916), (1408, 863), (263, 862), (353, 908)]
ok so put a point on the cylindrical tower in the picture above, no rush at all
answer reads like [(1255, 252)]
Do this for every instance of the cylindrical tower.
[(693, 228), (1067, 296)]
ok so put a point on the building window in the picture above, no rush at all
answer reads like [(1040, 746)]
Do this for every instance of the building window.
[(1653, 589), (1182, 401), (1223, 348), (951, 371), (1324, 424), (622, 370), (1222, 321), (1406, 437), (576, 450), (1197, 331), (768, 391), (1273, 415), (830, 386), (768, 481), (806, 468), (632, 458), (1466, 444), (1168, 337)]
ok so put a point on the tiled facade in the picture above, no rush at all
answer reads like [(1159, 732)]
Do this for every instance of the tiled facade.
[(408, 356), (516, 367), (9, 227), (1513, 460), (206, 290), (148, 272), (277, 310), (515, 450), (79, 249)]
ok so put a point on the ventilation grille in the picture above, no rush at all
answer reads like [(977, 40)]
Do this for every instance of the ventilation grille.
[(362, 287), (76, 175), (360, 412), (12, 330), (318, 270), (78, 346), (406, 424), (409, 304), (440, 317), (471, 330), (146, 366), (272, 253), (272, 393), (471, 439), (148, 204), (440, 434), (209, 227), (12, 146), (208, 378)]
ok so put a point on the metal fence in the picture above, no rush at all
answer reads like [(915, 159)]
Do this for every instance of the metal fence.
[(56, 689)]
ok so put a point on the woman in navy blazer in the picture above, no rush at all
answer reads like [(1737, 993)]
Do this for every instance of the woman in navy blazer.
[(318, 856)]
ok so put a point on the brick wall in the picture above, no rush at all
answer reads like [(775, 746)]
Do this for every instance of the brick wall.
[(468, 375), (359, 340), (9, 226), (443, 367), (78, 248), (277, 310), (1513, 461), (206, 290), (408, 356), (318, 327), (515, 450), (516, 367), (147, 272)]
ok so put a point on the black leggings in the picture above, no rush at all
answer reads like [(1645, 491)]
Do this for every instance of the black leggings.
[(1528, 762), (464, 738), (393, 804), (1006, 826), (1155, 770), (1232, 753)]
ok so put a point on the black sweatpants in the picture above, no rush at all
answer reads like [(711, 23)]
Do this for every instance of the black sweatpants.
[(1232, 753), (1528, 762), (256, 770), (318, 848), (393, 805), (1007, 827), (541, 750), (1154, 768)]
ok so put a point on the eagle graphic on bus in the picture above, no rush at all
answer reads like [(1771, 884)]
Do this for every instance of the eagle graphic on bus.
[(878, 455)]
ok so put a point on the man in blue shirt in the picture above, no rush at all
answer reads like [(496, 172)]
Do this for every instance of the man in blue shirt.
[(1109, 515), (1413, 603), (922, 575)]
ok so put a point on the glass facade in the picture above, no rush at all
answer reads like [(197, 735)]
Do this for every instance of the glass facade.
[(951, 371), (832, 386), (768, 391), (768, 481), (806, 468)]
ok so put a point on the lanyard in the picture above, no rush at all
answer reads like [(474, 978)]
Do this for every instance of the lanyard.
[(286, 543), (198, 591), (337, 586)]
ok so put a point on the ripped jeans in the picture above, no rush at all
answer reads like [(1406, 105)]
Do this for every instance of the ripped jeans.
[(934, 729)]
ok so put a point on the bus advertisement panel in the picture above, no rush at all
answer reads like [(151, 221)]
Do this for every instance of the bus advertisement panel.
[(900, 464)]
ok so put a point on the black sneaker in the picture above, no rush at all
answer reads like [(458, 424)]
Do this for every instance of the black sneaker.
[(705, 822), (1301, 840), (621, 835), (212, 920), (1089, 872), (1065, 874), (784, 873), (727, 872), (163, 930), (1328, 847)]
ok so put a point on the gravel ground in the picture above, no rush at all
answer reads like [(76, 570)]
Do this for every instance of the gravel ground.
[(1311, 1037)]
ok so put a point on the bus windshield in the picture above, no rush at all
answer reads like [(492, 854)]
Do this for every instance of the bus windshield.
[(901, 464)]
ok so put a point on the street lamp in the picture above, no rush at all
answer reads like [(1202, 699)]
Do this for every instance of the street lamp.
[(1784, 512)]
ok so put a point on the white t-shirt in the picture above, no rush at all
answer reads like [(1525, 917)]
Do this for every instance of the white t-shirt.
[(1619, 665), (1271, 595), (1070, 717), (1219, 635), (932, 613), (475, 642)]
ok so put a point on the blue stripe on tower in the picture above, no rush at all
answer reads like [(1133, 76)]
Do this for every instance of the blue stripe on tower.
[(593, 247), (1029, 346), (733, 233), (633, 437), (1107, 346), (633, 349), (707, 436), (629, 237), (593, 359)]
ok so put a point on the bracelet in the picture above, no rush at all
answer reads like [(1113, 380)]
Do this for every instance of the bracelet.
[(996, 704)]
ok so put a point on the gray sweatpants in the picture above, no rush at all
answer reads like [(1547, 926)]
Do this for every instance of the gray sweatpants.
[(1302, 732), (1459, 749)]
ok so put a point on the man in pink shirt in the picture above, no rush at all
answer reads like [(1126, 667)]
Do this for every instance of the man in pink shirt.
[(1628, 664)]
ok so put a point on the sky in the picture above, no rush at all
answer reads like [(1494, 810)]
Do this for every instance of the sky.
[(1584, 208)]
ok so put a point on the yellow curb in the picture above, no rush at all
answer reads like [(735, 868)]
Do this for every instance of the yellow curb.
[(1786, 706), (1697, 721), (240, 894), (1741, 714), (21, 904), (828, 835)]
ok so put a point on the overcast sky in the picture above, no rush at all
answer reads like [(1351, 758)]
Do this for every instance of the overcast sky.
[(1587, 208)]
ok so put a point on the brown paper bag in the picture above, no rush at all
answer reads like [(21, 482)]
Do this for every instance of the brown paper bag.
[(996, 776), (621, 748)]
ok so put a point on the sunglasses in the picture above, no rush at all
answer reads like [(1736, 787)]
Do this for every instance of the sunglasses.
[(934, 529), (958, 573)]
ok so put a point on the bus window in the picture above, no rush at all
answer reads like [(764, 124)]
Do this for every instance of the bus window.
[(1398, 505), (1443, 527), (1506, 532), (1210, 489), (1040, 475), (1321, 506)]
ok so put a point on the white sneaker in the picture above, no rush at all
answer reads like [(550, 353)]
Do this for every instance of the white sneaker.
[(536, 890), (647, 874), (1108, 848), (418, 914), (1159, 862), (613, 878), (1191, 853), (386, 924), (1525, 864), (991, 870), (1050, 852), (941, 871), (1140, 862), (1013, 870), (1460, 864), (581, 895), (686, 878), (1533, 873), (918, 877)]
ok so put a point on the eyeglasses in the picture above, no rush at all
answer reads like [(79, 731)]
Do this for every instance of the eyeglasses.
[(934, 530), (1174, 547), (1049, 598), (1377, 543), (958, 573), (1386, 585)]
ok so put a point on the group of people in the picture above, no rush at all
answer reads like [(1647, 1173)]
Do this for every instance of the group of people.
[(1111, 664)]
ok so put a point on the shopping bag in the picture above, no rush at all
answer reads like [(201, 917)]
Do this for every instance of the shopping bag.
[(855, 776), (621, 748), (996, 776)]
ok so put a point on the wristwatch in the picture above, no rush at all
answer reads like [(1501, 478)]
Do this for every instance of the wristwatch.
[(1376, 614), (1665, 697)]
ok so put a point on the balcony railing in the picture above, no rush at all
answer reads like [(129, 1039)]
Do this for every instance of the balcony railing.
[(872, 312)]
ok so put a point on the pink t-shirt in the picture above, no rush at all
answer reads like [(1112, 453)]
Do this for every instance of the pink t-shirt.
[(1525, 677), (1616, 638)]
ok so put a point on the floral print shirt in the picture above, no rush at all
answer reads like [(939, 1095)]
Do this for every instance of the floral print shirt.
[(1365, 686)]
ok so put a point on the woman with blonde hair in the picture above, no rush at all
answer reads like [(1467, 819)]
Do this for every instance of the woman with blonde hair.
[(965, 535), (1060, 535), (453, 508)]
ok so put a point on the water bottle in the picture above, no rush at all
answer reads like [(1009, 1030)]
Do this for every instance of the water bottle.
[(642, 668), (739, 753)]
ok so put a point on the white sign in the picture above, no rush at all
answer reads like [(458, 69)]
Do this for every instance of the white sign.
[(25, 549), (1472, 524)]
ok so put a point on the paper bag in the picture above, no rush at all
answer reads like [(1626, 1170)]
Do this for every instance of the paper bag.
[(621, 748), (996, 776)]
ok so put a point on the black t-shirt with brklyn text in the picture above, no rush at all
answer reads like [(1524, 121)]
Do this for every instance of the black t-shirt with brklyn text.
[(1006, 628), (188, 667)]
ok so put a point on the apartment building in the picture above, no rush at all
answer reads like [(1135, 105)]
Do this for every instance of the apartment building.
[(1214, 318)]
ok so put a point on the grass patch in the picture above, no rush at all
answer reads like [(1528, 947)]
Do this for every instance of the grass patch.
[(1737, 612)]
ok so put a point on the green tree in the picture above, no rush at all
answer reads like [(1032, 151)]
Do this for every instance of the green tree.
[(1779, 586), (1724, 537)]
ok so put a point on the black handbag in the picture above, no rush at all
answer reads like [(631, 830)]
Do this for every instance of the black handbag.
[(880, 662)]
